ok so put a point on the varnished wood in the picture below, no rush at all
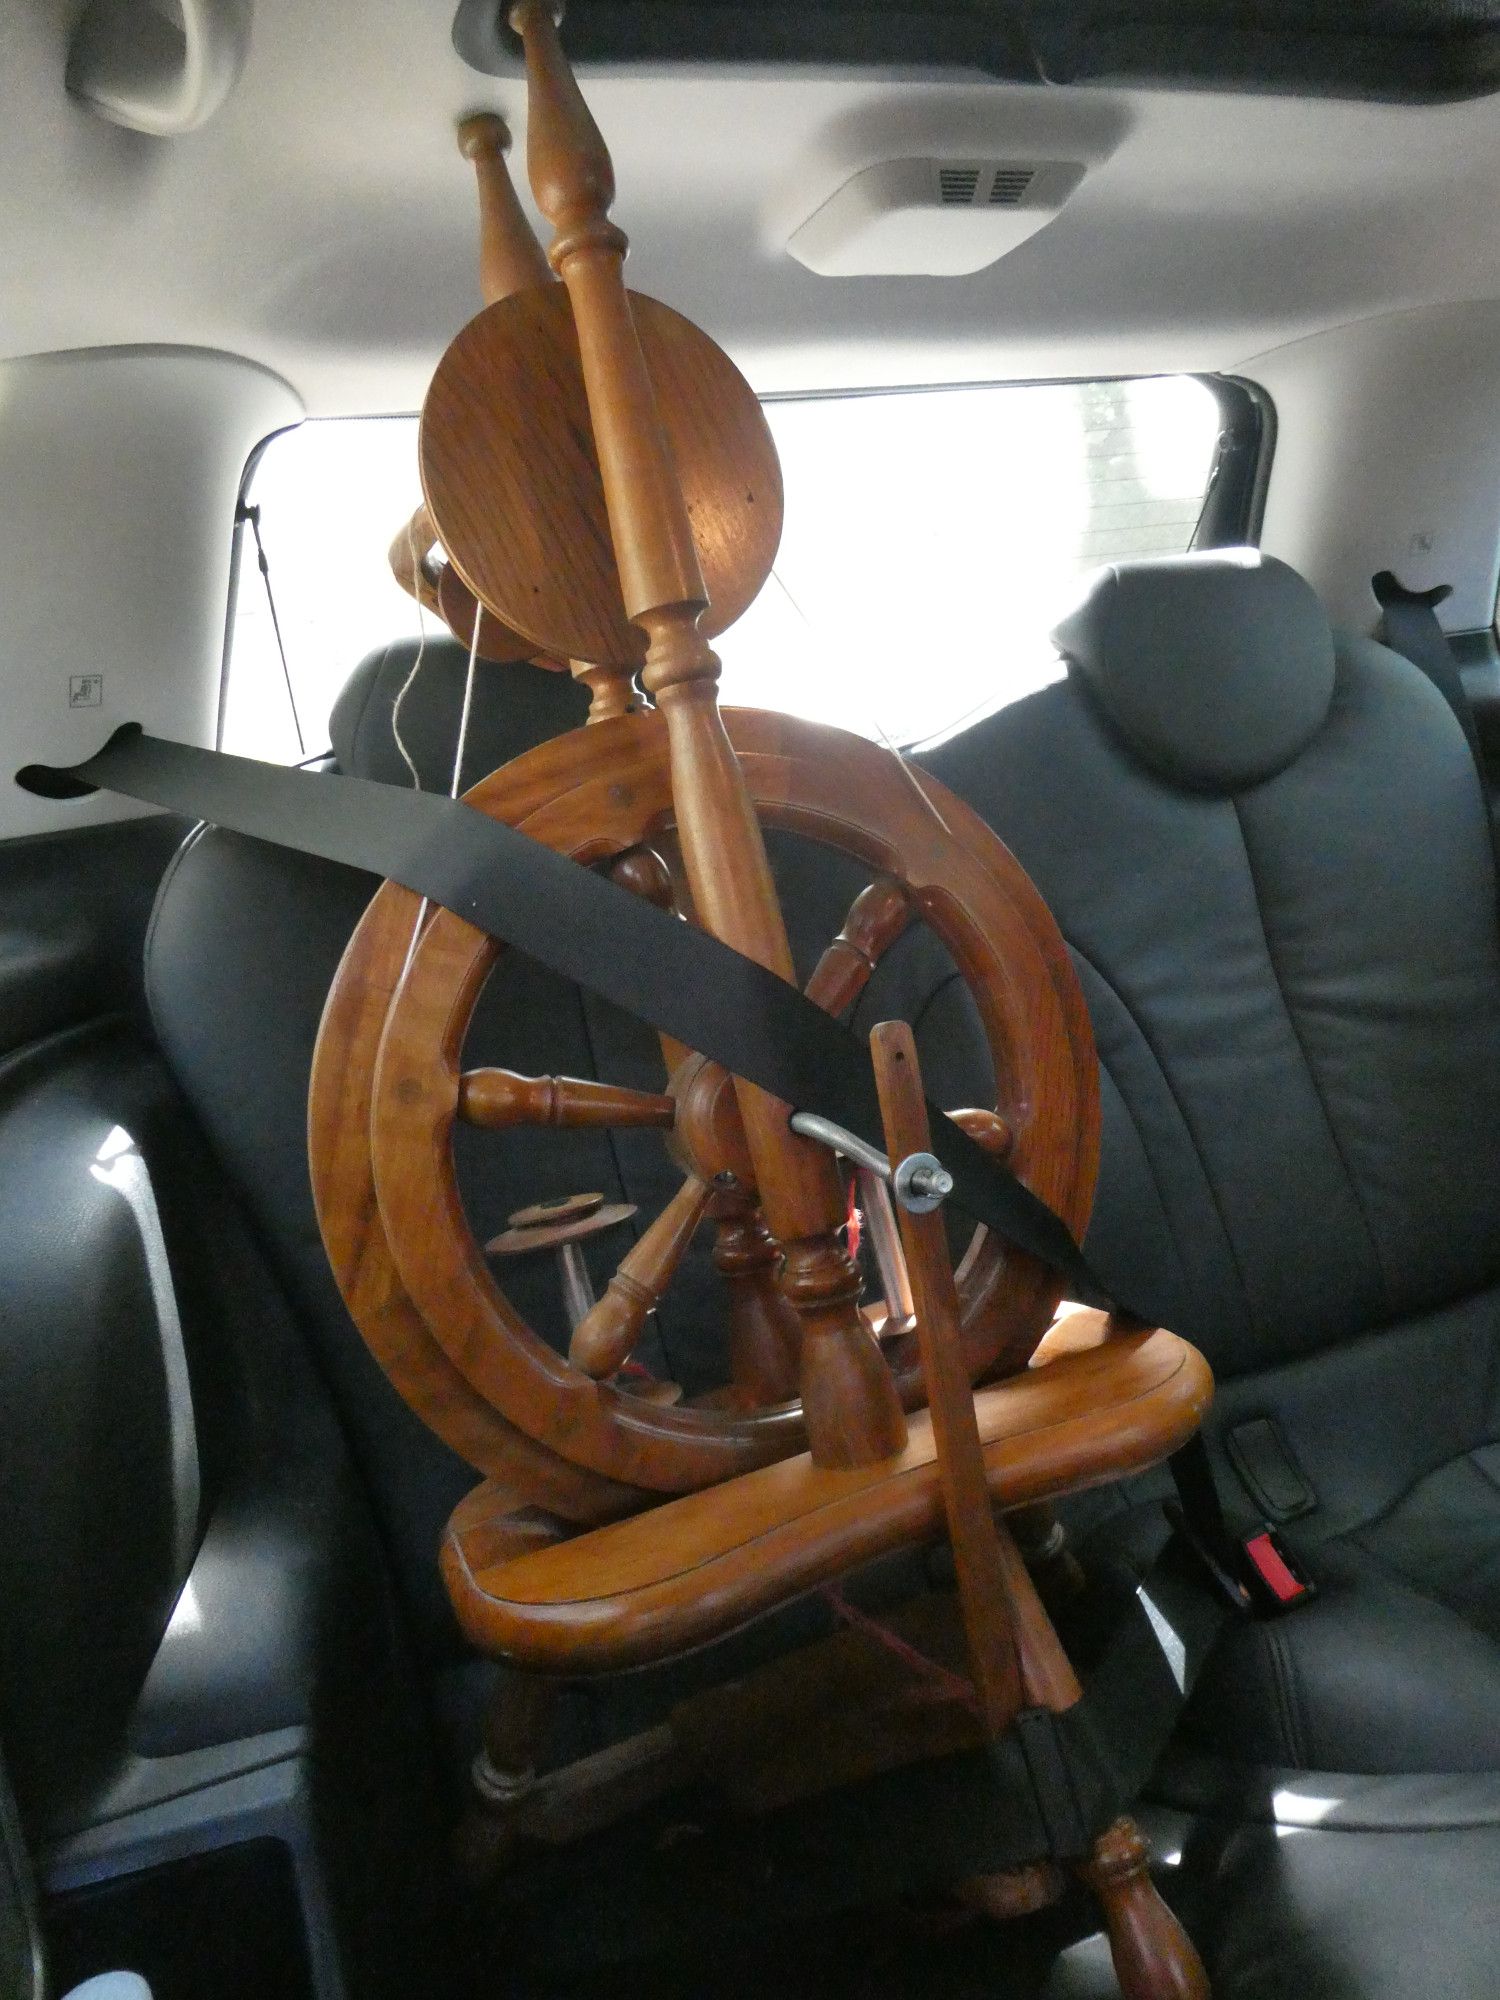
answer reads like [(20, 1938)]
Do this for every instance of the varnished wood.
[(598, 793), (359, 1251), (986, 1128), (410, 559), (877, 917), (605, 1338), (1154, 1958), (495, 1098), (549, 1229), (1016, 1655), (458, 607), (561, 1208), (510, 258), (645, 1589), (439, 588), (611, 690), (972, 1532), (764, 1334), (849, 1402), (510, 473)]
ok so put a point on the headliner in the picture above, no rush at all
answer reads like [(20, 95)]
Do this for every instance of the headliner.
[(323, 224)]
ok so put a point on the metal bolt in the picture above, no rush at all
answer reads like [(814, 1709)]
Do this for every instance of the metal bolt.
[(921, 1183)]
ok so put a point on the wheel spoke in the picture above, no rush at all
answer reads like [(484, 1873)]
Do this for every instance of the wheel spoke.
[(877, 917), (643, 872), (603, 1339), (494, 1098)]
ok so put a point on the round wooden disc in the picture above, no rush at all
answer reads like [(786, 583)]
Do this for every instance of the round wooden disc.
[(567, 1209), (522, 1238), (512, 480), (457, 605)]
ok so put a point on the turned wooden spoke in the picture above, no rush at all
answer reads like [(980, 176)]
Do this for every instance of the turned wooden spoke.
[(877, 917), (494, 1098), (510, 258), (644, 873), (604, 1338)]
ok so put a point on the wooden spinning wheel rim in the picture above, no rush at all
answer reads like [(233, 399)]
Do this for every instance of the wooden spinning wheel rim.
[(385, 1093), (511, 476)]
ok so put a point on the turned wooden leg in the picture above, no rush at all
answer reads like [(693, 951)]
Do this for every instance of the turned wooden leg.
[(504, 1772), (1154, 1957), (1043, 1542)]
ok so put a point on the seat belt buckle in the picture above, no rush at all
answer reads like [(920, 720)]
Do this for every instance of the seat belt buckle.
[(1277, 1581)]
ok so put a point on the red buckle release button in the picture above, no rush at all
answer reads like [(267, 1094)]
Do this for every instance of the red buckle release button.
[(1274, 1571)]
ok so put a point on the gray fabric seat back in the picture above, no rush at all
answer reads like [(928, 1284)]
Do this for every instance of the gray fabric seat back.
[(1266, 845)]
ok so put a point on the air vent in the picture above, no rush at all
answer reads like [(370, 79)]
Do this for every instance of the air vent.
[(932, 218), (957, 186), (1009, 185)]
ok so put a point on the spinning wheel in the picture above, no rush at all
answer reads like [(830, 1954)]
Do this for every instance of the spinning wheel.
[(605, 491), (613, 798)]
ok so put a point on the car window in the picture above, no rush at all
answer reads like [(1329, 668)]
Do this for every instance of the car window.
[(932, 539)]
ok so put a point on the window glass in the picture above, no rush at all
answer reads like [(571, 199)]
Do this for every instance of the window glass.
[(932, 539)]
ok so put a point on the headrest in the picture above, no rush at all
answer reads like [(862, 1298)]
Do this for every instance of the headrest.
[(1216, 668), (514, 709)]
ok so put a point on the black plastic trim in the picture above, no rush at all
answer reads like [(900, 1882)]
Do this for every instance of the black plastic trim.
[(1401, 51)]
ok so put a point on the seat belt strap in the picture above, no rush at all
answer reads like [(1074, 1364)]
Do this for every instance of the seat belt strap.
[(1409, 626), (673, 976), (670, 975)]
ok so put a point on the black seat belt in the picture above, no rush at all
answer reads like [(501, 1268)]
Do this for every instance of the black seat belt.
[(1409, 626), (673, 976)]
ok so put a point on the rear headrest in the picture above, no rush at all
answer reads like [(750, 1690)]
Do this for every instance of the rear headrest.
[(514, 708), (1216, 668)]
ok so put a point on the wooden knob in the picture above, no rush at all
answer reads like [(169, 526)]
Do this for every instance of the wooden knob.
[(642, 871), (523, 9), (482, 134), (987, 1129)]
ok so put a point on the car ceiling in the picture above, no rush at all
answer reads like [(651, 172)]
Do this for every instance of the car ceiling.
[(322, 223)]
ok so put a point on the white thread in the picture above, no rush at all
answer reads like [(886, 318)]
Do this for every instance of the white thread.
[(405, 689), (900, 755), (416, 665), (463, 720)]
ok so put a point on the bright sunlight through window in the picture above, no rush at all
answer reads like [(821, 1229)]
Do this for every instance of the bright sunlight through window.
[(933, 538)]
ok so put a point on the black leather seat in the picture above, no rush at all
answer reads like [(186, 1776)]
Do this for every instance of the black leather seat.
[(1266, 845), (1322, 1884)]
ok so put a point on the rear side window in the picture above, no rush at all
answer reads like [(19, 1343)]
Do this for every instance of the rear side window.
[(933, 537)]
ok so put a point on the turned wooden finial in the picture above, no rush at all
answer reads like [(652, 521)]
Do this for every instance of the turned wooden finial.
[(573, 180), (1154, 1958), (572, 175), (510, 258)]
